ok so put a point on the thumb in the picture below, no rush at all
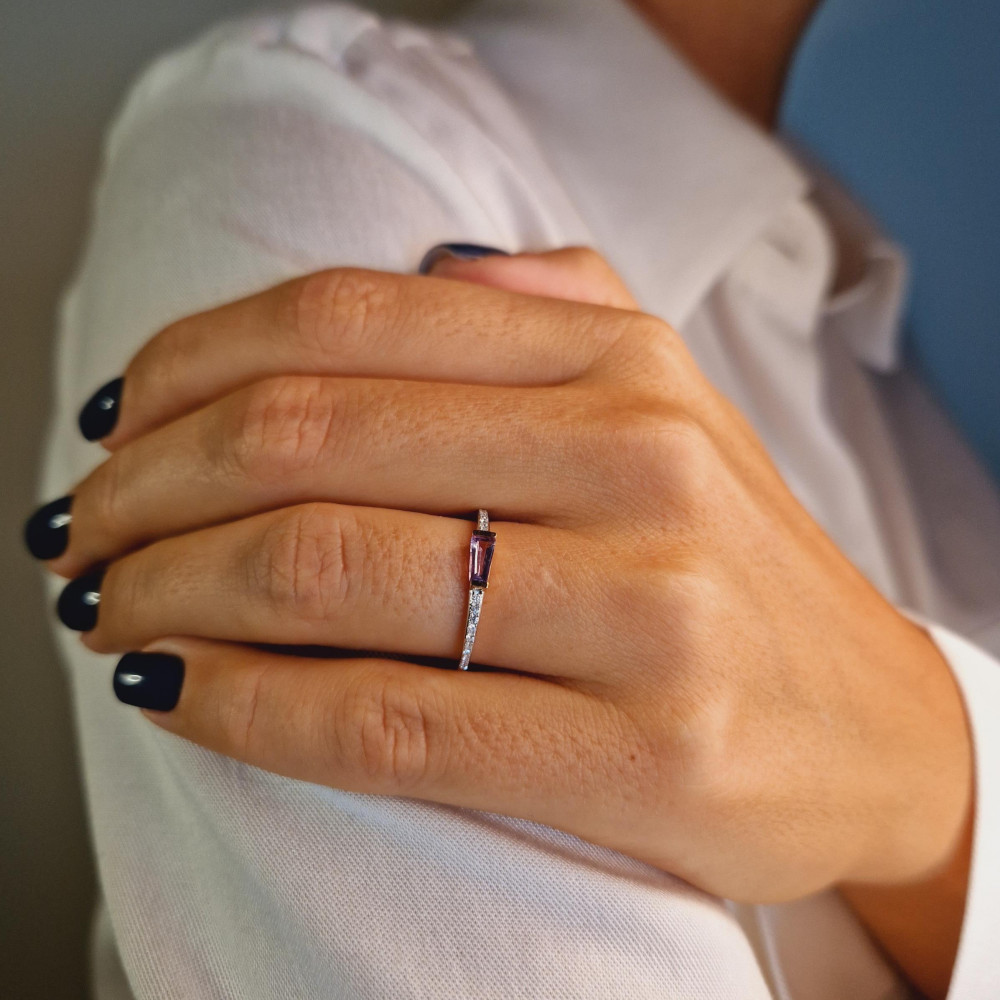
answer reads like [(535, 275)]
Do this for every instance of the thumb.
[(576, 273)]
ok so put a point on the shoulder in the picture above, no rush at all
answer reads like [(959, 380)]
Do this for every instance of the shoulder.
[(416, 95), (316, 137), (294, 56), (340, 37)]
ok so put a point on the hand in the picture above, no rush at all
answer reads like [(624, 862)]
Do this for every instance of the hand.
[(684, 667)]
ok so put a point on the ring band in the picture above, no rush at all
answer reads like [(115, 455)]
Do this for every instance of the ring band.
[(480, 557)]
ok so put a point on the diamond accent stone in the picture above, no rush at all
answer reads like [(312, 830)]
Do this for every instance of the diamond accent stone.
[(475, 605)]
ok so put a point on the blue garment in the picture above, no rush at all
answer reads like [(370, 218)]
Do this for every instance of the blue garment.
[(900, 100)]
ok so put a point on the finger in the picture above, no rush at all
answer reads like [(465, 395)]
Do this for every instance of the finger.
[(578, 274), (490, 741), (423, 446), (360, 578), (355, 322)]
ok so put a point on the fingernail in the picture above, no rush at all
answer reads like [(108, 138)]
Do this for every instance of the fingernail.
[(149, 680), (79, 601), (100, 414), (46, 532), (462, 251)]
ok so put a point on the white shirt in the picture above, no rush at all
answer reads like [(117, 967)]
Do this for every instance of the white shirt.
[(284, 143)]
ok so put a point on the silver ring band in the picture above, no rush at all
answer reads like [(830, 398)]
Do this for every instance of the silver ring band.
[(480, 557)]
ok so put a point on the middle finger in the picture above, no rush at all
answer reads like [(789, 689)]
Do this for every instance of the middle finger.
[(423, 446)]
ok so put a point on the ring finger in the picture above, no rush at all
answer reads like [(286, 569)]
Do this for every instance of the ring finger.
[(365, 578)]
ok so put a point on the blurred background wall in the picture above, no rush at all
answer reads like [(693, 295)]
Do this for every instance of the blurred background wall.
[(64, 66)]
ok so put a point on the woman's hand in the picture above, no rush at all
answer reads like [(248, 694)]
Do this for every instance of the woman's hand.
[(686, 668)]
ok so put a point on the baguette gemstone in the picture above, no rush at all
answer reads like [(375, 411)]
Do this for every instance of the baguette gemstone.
[(480, 557)]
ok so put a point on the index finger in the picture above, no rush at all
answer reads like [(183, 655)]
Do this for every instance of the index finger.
[(352, 321)]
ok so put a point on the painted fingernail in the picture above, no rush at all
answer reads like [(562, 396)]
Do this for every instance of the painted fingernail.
[(79, 601), (461, 251), (100, 414), (149, 680), (46, 532)]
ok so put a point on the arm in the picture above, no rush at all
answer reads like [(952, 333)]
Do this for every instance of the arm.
[(942, 929), (237, 163), (919, 924), (667, 866)]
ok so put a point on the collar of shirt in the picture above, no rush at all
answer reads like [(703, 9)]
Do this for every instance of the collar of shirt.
[(673, 181)]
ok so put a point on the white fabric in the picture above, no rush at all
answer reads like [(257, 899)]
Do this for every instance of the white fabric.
[(283, 143)]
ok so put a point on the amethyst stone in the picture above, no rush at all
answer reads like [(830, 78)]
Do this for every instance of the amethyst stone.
[(480, 556)]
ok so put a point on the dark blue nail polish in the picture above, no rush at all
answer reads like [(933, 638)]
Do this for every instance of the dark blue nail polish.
[(79, 601), (463, 251), (100, 414), (46, 532), (149, 680)]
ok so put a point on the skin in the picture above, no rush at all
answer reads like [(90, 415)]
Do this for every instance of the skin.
[(683, 662), (744, 49), (741, 46)]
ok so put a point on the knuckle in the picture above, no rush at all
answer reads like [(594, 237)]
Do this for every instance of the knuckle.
[(281, 425), (603, 284), (651, 593), (162, 364), (300, 564), (695, 710), (691, 739), (634, 346), (651, 354), (337, 308), (680, 600), (105, 507), (680, 458), (238, 715), (700, 727), (654, 335), (660, 346), (391, 733), (659, 455)]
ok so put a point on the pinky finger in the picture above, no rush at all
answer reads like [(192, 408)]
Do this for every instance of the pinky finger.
[(495, 741)]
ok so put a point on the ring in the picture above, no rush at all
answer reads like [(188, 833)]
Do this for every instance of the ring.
[(480, 557)]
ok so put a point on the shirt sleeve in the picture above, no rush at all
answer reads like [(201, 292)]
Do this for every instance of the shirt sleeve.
[(270, 148), (976, 975)]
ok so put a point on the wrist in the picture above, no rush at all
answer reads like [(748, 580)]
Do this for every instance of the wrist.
[(925, 781), (919, 924), (911, 890)]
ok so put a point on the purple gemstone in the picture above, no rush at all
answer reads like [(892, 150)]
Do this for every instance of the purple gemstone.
[(480, 556)]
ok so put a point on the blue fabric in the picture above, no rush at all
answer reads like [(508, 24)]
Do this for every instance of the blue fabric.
[(900, 99)]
